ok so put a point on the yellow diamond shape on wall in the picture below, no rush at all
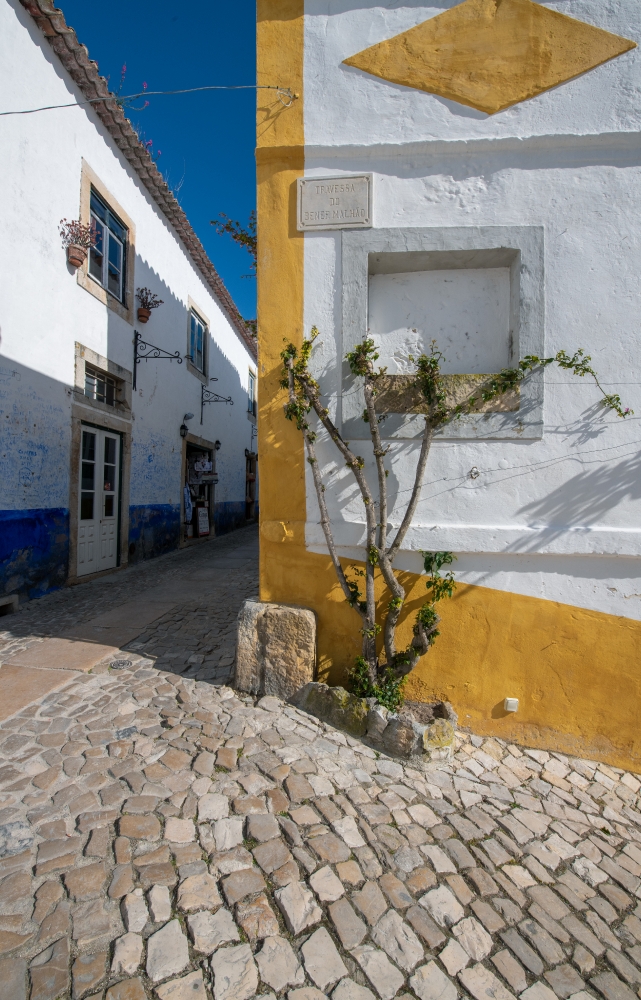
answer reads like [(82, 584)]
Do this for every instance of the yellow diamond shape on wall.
[(490, 54)]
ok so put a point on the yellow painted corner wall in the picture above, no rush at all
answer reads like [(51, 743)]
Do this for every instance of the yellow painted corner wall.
[(575, 672)]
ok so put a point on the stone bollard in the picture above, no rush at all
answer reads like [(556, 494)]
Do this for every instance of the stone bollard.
[(275, 648)]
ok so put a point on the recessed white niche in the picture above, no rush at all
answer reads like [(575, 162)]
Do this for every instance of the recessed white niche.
[(478, 292), (466, 312)]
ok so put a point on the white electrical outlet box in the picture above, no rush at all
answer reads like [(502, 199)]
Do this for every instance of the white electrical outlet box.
[(511, 704)]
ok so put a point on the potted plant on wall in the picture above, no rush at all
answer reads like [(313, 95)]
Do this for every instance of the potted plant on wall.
[(77, 238), (148, 301)]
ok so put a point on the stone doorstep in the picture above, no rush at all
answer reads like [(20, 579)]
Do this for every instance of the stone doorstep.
[(63, 654)]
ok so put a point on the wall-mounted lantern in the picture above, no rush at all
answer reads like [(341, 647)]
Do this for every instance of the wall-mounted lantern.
[(184, 429)]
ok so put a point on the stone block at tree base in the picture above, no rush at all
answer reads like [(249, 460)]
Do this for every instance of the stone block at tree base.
[(334, 705), (396, 734), (275, 649)]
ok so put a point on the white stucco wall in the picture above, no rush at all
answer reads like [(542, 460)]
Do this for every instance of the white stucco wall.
[(555, 517), (43, 309)]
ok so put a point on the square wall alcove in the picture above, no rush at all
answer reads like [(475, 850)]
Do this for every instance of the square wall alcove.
[(476, 292)]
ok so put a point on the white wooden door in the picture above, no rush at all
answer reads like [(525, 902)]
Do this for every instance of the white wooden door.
[(98, 513)]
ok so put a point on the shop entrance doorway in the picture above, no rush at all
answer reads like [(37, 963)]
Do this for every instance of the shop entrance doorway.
[(199, 491)]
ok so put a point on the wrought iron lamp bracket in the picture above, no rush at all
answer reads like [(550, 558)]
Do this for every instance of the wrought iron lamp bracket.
[(144, 351), (207, 396)]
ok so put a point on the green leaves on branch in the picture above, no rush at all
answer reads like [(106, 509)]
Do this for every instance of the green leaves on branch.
[(361, 360), (295, 364), (388, 691), (355, 600), (441, 586), (509, 378), (430, 382), (244, 236)]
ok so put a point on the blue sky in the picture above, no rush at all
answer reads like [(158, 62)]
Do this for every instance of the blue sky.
[(206, 140)]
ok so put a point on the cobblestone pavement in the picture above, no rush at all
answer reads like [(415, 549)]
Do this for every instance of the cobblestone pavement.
[(163, 837), (203, 586)]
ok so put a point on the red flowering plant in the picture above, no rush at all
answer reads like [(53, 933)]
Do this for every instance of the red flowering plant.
[(147, 299), (76, 233)]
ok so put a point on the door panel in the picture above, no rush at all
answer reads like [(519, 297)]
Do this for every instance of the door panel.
[(98, 507), (109, 508)]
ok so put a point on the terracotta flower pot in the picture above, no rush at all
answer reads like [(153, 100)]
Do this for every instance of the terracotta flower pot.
[(76, 255), (143, 315)]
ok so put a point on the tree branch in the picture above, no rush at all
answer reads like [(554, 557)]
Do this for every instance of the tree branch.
[(418, 483), (322, 505)]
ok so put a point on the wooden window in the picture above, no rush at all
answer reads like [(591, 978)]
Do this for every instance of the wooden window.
[(100, 386), (197, 342), (108, 257)]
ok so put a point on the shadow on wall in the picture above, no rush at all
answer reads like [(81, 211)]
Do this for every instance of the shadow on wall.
[(153, 530), (35, 449), (584, 500), (34, 551), (34, 480), (165, 392)]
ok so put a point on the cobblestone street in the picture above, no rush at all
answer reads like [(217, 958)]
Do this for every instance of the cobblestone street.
[(190, 600), (162, 836)]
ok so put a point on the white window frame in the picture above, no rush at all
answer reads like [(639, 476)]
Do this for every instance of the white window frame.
[(108, 240), (194, 322), (93, 378), (251, 393)]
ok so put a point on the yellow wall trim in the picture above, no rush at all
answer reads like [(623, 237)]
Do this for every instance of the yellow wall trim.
[(491, 54)]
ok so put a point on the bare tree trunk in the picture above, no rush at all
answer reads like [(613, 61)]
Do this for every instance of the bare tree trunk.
[(356, 464), (395, 588), (322, 506), (416, 490), (380, 554)]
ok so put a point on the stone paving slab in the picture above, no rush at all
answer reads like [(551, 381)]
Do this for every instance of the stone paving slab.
[(21, 686), (63, 654)]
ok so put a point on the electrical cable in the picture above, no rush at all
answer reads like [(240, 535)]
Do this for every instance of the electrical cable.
[(281, 92)]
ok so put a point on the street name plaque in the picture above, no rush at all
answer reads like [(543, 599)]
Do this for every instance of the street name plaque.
[(334, 202)]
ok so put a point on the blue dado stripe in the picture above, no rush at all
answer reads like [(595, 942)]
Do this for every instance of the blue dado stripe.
[(229, 515), (153, 529), (34, 550)]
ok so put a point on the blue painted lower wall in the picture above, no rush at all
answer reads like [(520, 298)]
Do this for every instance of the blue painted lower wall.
[(153, 529), (34, 544), (229, 515), (34, 550)]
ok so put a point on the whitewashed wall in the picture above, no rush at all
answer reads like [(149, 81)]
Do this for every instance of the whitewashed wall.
[(43, 309), (557, 517)]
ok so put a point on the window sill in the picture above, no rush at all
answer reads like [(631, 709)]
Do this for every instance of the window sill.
[(94, 288), (196, 371), (121, 410)]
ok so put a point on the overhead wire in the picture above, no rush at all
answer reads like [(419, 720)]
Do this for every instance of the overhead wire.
[(282, 92)]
